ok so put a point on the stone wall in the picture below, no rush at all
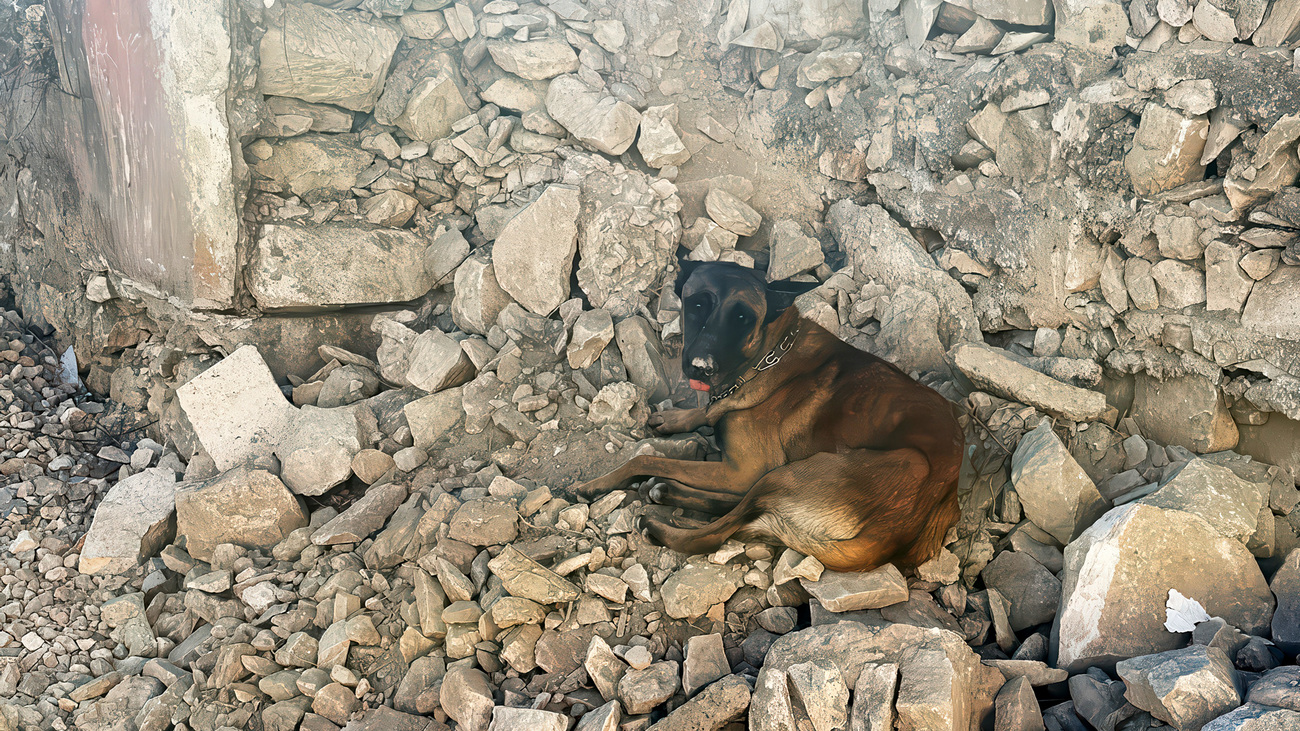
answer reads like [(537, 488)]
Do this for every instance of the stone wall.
[(1081, 184)]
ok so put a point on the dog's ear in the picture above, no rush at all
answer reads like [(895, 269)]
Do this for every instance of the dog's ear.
[(781, 294), (685, 268)]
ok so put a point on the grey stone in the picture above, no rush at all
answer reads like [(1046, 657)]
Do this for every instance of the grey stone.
[(847, 592), (479, 298), (535, 60), (691, 591), (659, 143), (873, 698), (305, 267), (485, 522), (706, 661), (315, 167), (1166, 150), (1056, 493), (712, 709), (246, 507), (524, 577), (533, 255), (1254, 717), (1017, 708), (593, 117), (1187, 411), (819, 691), (989, 369), (1186, 688), (467, 698), (641, 691), (1118, 574), (133, 522), (362, 518), (1228, 503), (1033, 591), (320, 55), (435, 104), (236, 409), (317, 448), (1286, 620)]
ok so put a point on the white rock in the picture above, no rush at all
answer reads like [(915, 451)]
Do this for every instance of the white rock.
[(533, 255), (237, 410), (132, 523)]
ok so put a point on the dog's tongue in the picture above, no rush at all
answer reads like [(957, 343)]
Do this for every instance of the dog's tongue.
[(699, 385)]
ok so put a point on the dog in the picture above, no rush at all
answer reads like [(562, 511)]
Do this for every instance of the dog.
[(826, 449)]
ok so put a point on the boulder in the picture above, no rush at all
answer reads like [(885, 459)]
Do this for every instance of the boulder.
[(435, 104), (299, 267), (1187, 411), (712, 709), (1054, 491), (363, 517), (1255, 717), (638, 343), (535, 60), (1032, 590), (626, 234), (133, 522), (436, 362), (246, 507), (792, 252), (592, 331), (1166, 150), (706, 661), (1286, 620), (466, 697), (236, 409), (315, 167), (478, 297), (320, 55), (1118, 574), (1213, 492), (431, 417), (1273, 308), (1186, 688), (659, 143), (641, 691), (533, 254), (849, 592), (690, 592), (317, 448), (595, 118)]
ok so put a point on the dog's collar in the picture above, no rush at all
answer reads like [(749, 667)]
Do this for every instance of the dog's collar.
[(767, 361)]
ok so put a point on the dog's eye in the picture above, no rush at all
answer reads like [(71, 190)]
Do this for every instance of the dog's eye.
[(743, 318)]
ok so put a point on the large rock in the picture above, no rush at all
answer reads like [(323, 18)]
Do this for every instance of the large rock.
[(626, 234), (478, 297), (691, 591), (309, 267), (362, 518), (1273, 309), (1017, 12), (535, 60), (133, 522), (320, 55), (435, 104), (317, 448), (533, 254), (1166, 150), (1213, 492), (467, 698), (1033, 591), (714, 708), (432, 416), (1286, 620), (1097, 26), (1187, 411), (315, 167), (990, 369), (1118, 575), (942, 684), (437, 362), (246, 507), (1187, 688), (882, 250), (638, 343), (848, 592), (797, 21), (1054, 490), (236, 409), (1255, 717), (524, 577), (595, 118), (659, 143)]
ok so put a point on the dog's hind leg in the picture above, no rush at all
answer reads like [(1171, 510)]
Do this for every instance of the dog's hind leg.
[(676, 494), (693, 541)]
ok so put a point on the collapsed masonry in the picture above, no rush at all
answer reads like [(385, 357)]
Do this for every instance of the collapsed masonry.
[(428, 247)]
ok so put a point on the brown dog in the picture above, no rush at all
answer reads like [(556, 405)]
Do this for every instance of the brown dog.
[(825, 448)]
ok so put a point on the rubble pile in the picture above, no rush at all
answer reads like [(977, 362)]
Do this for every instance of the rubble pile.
[(349, 505)]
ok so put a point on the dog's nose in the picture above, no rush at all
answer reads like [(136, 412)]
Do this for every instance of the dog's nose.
[(705, 366)]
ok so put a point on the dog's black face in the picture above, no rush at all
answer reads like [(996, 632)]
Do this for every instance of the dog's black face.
[(726, 309)]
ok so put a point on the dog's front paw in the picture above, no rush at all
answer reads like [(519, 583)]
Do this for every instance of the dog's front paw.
[(677, 421)]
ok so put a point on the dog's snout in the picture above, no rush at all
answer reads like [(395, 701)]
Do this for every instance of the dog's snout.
[(705, 365)]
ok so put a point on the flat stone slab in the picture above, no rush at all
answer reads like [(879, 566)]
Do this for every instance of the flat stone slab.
[(237, 410), (849, 592), (990, 370), (133, 522)]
